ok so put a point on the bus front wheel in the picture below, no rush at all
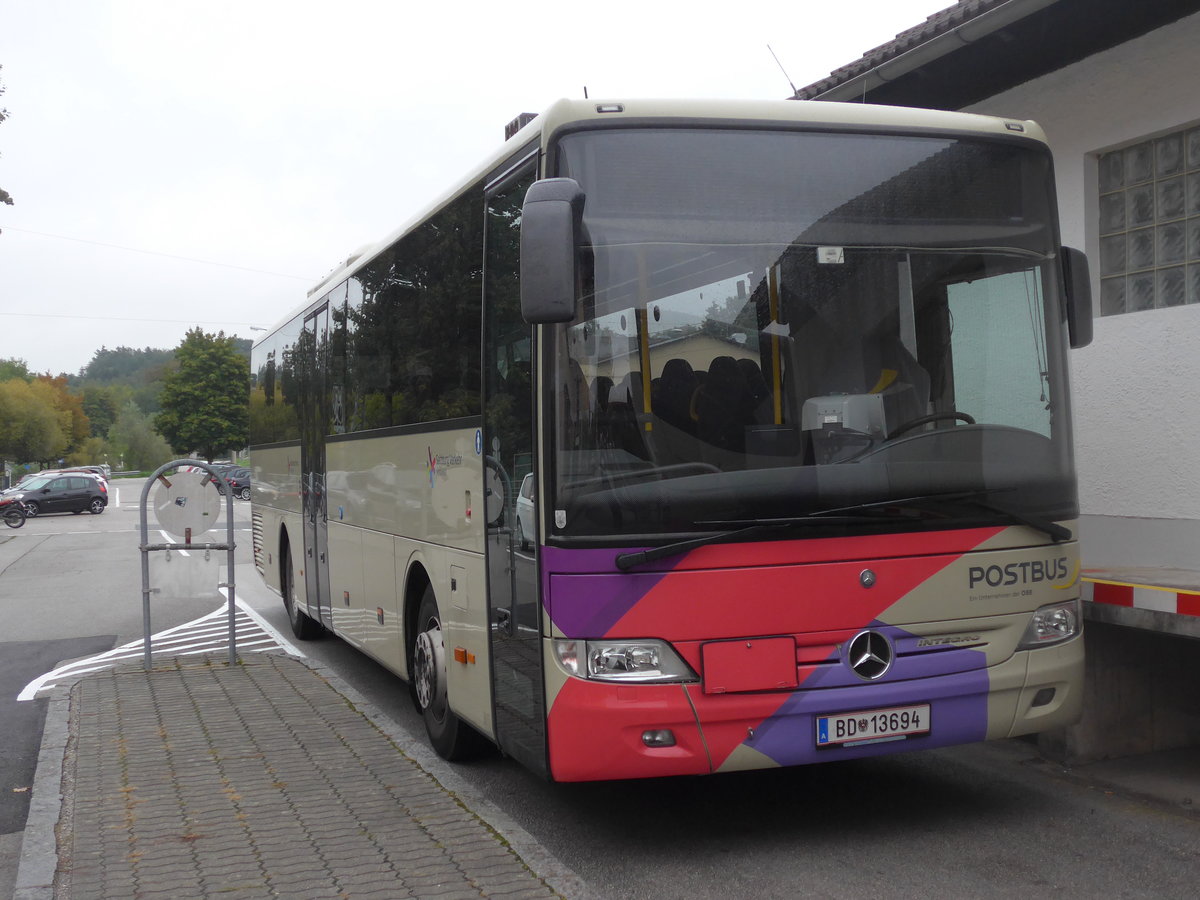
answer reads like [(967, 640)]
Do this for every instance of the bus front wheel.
[(452, 738)]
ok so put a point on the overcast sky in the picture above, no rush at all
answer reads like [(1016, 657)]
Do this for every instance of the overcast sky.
[(177, 163)]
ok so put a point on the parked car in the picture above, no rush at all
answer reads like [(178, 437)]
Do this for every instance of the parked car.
[(238, 478), (525, 508), (56, 493), (92, 471), (103, 472)]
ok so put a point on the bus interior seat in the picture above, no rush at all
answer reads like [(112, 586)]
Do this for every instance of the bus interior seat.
[(624, 422), (675, 427), (723, 406), (577, 409), (674, 399), (760, 394)]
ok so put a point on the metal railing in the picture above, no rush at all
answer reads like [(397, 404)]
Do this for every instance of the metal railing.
[(159, 476)]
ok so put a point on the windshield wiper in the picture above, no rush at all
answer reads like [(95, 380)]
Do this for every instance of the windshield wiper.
[(627, 561), (1051, 529), (903, 509)]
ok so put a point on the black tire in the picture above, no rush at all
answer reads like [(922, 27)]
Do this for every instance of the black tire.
[(31, 508), (14, 518), (96, 506), (303, 627), (521, 541), (450, 736), (244, 493)]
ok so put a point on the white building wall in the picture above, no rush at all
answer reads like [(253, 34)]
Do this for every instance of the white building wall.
[(1137, 386)]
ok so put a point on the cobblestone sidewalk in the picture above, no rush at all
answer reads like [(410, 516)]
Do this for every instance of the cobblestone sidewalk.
[(201, 780)]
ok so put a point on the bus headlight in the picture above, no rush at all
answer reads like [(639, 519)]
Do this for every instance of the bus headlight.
[(641, 662), (1053, 624)]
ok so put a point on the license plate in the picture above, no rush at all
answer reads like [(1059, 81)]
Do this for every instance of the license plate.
[(872, 725)]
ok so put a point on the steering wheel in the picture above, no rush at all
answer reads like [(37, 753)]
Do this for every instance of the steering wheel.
[(932, 417)]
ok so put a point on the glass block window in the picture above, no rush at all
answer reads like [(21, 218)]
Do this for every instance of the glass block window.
[(1150, 224)]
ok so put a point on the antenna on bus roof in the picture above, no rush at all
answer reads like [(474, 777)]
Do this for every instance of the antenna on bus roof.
[(782, 69)]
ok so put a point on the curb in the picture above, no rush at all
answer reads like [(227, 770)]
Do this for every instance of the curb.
[(545, 865), (38, 861)]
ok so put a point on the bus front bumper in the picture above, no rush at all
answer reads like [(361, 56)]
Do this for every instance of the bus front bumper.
[(601, 731)]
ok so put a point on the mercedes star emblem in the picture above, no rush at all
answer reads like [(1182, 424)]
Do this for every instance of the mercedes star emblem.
[(869, 655)]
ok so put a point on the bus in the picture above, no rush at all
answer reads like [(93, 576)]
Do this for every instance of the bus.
[(692, 437)]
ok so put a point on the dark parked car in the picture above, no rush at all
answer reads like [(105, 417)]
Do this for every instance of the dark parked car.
[(238, 478), (61, 493)]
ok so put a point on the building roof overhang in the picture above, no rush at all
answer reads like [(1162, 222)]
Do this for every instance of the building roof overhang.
[(976, 49)]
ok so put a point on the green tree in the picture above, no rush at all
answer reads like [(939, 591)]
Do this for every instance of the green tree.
[(14, 368), (133, 443), (101, 404), (126, 365), (91, 451), (205, 401), (138, 372), (31, 428), (69, 407)]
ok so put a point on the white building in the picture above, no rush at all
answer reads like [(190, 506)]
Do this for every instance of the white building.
[(1116, 86)]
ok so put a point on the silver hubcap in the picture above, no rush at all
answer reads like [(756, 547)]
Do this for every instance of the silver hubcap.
[(429, 670)]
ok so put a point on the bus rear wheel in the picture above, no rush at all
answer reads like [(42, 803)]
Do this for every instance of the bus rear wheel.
[(450, 736), (303, 627)]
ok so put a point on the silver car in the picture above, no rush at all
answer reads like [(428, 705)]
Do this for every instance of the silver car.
[(526, 529)]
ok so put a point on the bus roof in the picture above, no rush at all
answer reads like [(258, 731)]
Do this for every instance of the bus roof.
[(567, 113), (784, 112)]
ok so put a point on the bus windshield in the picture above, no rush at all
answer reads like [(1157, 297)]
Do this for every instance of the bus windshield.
[(777, 325)]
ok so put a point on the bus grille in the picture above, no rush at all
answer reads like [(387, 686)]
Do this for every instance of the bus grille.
[(256, 528)]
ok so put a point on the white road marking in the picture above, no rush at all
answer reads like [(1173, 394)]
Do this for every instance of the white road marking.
[(208, 634), (167, 539)]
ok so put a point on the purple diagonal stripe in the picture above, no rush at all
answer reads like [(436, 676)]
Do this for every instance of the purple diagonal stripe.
[(590, 605)]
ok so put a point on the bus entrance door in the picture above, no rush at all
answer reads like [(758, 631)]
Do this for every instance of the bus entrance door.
[(518, 695), (315, 414)]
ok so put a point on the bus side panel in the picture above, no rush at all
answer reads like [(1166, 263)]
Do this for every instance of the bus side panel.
[(459, 585), (379, 608), (275, 496), (382, 492), (425, 483), (275, 477), (274, 526), (346, 570)]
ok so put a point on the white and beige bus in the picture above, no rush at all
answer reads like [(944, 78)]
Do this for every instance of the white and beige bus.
[(789, 383)]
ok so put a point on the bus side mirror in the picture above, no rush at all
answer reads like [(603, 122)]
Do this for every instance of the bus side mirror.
[(550, 227), (1078, 286)]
